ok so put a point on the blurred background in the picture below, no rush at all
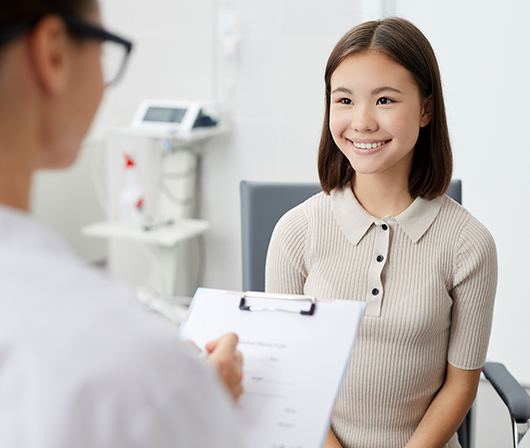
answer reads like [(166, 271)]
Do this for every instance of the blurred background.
[(264, 62)]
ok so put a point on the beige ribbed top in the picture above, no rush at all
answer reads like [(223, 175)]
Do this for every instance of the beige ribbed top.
[(428, 277)]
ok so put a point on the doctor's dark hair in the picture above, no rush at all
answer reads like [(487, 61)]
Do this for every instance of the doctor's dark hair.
[(432, 163), (14, 13)]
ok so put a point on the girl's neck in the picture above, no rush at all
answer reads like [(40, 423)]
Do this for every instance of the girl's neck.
[(382, 195)]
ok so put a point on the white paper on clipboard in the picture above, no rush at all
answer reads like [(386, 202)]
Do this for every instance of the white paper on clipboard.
[(293, 363)]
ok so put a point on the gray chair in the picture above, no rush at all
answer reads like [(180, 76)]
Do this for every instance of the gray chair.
[(264, 203)]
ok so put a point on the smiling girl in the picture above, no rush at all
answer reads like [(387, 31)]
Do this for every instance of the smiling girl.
[(384, 232)]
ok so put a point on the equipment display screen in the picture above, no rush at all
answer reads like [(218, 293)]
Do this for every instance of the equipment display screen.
[(165, 114)]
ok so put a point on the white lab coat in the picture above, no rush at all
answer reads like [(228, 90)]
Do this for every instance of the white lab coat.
[(82, 365)]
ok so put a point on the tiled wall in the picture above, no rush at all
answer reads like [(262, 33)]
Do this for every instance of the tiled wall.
[(277, 101), (278, 108)]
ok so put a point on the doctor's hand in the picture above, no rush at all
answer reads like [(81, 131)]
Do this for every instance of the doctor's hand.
[(228, 361)]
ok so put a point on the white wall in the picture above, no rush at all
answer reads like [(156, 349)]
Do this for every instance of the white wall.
[(278, 110), (491, 419), (66, 201)]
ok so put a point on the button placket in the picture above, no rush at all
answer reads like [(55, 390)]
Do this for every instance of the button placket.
[(379, 255)]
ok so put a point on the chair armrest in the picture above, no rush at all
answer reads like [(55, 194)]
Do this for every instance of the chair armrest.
[(510, 391)]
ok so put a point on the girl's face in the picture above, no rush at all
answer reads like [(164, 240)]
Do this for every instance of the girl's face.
[(376, 112)]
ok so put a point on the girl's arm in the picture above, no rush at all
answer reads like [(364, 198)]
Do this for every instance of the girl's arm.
[(447, 410), (285, 270), (473, 295)]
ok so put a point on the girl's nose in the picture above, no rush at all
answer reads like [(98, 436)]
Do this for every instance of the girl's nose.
[(363, 120)]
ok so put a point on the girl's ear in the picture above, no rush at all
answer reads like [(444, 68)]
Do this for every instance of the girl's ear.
[(426, 111)]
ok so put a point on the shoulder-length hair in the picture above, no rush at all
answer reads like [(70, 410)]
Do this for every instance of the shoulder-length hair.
[(432, 163)]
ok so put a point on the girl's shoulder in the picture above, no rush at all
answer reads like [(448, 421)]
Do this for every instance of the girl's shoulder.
[(297, 219), (452, 211), (466, 229)]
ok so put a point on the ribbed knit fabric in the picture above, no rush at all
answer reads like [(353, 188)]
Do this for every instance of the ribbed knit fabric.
[(428, 276)]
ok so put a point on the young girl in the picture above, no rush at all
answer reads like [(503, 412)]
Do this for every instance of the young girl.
[(383, 231)]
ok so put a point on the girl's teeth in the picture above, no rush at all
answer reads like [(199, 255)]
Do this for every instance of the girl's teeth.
[(368, 145)]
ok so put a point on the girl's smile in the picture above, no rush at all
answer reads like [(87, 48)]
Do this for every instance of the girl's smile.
[(367, 146)]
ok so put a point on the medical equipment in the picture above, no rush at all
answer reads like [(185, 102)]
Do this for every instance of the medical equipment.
[(177, 118), (164, 251), (131, 199)]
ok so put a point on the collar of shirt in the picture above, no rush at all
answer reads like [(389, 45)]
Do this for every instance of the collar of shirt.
[(355, 221)]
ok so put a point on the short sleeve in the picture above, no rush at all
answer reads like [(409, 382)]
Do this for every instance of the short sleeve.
[(473, 294), (285, 270)]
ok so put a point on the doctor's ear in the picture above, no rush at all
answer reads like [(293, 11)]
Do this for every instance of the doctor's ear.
[(426, 111), (49, 49)]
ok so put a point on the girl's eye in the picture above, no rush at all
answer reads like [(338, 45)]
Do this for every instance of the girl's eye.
[(384, 101), (345, 101)]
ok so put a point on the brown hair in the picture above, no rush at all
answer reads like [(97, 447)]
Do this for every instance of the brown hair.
[(432, 163), (14, 13)]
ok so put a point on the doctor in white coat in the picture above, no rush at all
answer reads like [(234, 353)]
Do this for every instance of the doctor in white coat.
[(80, 364)]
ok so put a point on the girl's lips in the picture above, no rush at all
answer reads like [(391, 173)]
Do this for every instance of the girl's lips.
[(368, 149)]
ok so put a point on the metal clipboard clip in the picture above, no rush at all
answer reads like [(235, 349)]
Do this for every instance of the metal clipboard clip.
[(261, 295)]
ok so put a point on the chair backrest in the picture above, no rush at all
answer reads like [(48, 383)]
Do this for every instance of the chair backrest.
[(262, 205), (455, 190)]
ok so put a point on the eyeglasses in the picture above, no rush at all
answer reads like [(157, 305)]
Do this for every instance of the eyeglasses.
[(115, 50)]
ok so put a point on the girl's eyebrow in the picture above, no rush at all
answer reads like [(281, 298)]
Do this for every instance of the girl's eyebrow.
[(384, 88), (374, 92), (343, 90)]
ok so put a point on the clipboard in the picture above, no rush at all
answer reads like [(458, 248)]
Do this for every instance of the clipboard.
[(243, 304), (296, 350)]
